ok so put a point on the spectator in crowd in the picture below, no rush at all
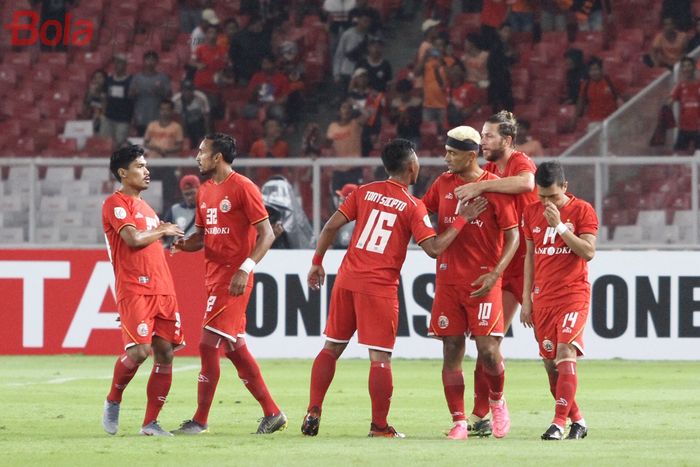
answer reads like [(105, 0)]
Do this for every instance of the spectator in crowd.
[(183, 213), (344, 135), (199, 34), (522, 15), (94, 101), (599, 96), (474, 59), (430, 32), (493, 14), (464, 97), (338, 14), (210, 61), (52, 10), (687, 94), (668, 46), (379, 71), (500, 90), (164, 136), (312, 142), (438, 9), (190, 13), (590, 14), (230, 28), (694, 40), (405, 112), (575, 74), (510, 50), (434, 71), (148, 88), (352, 47), (526, 143), (269, 88), (371, 104), (248, 47), (680, 10), (293, 69), (553, 15), (193, 107), (363, 6), (271, 144), (118, 106)]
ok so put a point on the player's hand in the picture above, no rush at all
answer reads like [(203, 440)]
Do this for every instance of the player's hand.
[(467, 191), (526, 314), (177, 246), (316, 277), (470, 210), (487, 281), (551, 213), (238, 283), (171, 230)]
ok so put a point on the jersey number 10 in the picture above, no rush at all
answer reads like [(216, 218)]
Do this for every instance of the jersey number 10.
[(375, 230)]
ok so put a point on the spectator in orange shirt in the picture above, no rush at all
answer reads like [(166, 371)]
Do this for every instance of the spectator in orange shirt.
[(271, 144), (687, 94), (668, 46), (434, 70), (599, 96), (164, 136)]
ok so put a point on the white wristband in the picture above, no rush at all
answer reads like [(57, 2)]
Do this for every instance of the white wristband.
[(247, 266), (561, 228)]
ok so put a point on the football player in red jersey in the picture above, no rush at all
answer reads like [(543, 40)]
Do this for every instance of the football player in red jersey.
[(468, 277), (560, 231), (146, 302), (517, 178), (234, 230), (364, 297)]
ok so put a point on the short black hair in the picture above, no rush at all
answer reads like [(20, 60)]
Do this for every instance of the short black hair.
[(167, 101), (507, 124), (595, 61), (396, 155), (121, 158), (223, 143), (550, 173)]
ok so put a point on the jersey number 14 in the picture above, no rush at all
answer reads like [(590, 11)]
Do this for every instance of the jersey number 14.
[(375, 235)]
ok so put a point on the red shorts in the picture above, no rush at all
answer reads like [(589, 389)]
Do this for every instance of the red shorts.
[(455, 313), (559, 325), (225, 314), (376, 319), (513, 277), (144, 316)]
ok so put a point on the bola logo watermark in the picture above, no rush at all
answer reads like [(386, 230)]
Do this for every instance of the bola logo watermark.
[(26, 29)]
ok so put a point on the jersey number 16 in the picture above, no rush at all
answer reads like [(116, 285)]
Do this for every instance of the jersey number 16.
[(375, 230)]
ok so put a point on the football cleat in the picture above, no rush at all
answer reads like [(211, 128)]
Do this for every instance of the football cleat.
[(272, 423), (481, 429), (501, 418), (154, 429), (388, 432), (459, 431), (312, 420), (553, 433), (190, 427), (110, 417), (577, 431)]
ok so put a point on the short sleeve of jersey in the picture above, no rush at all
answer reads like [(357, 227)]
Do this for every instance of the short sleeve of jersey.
[(253, 204), (349, 206), (198, 221), (421, 227), (117, 213), (430, 199), (506, 215), (588, 224), (527, 231)]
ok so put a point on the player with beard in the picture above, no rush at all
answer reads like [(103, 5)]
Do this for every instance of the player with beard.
[(517, 178)]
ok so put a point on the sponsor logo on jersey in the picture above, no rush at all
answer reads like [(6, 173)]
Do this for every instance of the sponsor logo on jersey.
[(477, 222), (225, 205), (443, 266), (144, 279), (547, 345), (567, 330), (142, 329), (551, 251), (449, 196), (120, 212), (483, 323), (217, 230), (536, 230), (138, 215), (443, 322)]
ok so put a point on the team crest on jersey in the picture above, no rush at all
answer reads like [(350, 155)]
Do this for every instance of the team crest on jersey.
[(225, 205), (203, 205), (547, 345), (449, 195), (120, 212), (142, 330), (443, 322)]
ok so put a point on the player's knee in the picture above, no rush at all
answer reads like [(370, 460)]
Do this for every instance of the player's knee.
[(139, 353), (336, 348)]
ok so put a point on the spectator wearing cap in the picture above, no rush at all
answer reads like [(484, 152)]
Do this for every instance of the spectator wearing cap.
[(148, 88), (118, 105), (193, 107), (352, 47), (430, 32), (342, 239), (199, 33), (183, 213), (248, 47), (379, 71)]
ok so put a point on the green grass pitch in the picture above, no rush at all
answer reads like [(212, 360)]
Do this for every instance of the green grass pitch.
[(639, 413)]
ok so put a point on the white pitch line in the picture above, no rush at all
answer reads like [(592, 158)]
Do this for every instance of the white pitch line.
[(79, 378)]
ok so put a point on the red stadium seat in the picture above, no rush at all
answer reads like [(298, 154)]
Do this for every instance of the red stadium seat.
[(59, 146), (97, 146)]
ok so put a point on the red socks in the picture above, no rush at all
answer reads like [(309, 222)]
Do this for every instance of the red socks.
[(207, 381), (124, 370), (566, 391), (322, 373), (574, 413), (157, 390), (481, 391), (496, 379), (453, 384), (249, 373), (381, 388)]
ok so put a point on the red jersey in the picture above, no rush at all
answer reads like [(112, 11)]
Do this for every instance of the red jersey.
[(227, 212), (518, 162), (385, 216), (479, 246), (560, 275), (601, 97), (687, 93), (139, 271)]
